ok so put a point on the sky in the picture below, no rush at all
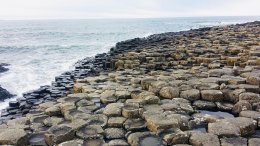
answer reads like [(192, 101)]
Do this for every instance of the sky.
[(83, 9)]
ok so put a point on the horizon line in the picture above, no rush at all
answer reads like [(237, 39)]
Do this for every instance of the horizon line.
[(111, 18)]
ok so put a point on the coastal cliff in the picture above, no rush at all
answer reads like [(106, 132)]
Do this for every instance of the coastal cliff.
[(197, 87)]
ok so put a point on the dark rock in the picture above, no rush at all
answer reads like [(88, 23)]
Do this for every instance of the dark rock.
[(4, 94), (2, 68), (14, 104)]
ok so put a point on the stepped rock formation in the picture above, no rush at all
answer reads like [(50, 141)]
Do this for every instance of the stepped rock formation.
[(199, 87)]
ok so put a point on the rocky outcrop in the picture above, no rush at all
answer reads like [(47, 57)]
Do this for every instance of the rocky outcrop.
[(4, 94), (3, 68), (197, 87)]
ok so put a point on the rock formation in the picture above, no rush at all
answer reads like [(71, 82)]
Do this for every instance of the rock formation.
[(198, 87)]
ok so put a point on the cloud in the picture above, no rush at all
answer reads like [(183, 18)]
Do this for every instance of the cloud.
[(72, 9)]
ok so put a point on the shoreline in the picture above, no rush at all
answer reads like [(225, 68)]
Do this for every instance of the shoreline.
[(88, 66), (4, 94), (182, 87)]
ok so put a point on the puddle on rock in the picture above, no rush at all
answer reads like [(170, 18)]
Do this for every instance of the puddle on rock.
[(151, 141), (218, 114), (37, 139)]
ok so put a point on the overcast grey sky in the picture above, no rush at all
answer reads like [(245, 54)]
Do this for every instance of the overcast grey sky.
[(81, 9)]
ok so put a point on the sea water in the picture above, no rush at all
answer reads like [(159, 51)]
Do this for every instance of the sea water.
[(39, 50)]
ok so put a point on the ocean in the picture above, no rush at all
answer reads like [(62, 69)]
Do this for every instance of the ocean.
[(39, 50)]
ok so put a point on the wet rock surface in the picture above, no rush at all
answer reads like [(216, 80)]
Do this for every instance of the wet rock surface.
[(4, 94), (197, 87), (3, 68)]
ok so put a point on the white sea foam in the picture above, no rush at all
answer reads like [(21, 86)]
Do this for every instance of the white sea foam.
[(147, 35)]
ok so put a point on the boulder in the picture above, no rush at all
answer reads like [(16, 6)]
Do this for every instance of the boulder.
[(249, 88), (252, 78), (191, 95), (156, 122), (58, 134), (241, 106), (2, 68), (90, 132), (114, 133), (169, 92), (204, 139), (250, 114), (206, 86), (84, 102), (134, 124), (176, 137), (130, 110), (51, 121), (211, 117), (13, 137), (4, 94), (71, 100), (46, 105), (156, 86), (220, 72), (253, 142), (247, 126), (233, 141), (98, 119), (224, 106), (108, 96), (204, 105), (178, 105), (88, 109), (116, 122), (53, 111), (234, 80), (38, 119), (123, 94), (250, 97), (224, 129), (146, 82), (76, 124), (233, 96), (119, 65), (21, 123), (143, 95), (79, 95), (151, 99), (113, 109), (212, 95), (75, 114), (14, 104)]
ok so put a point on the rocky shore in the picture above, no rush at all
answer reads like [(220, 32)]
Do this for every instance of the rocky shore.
[(4, 94), (199, 87)]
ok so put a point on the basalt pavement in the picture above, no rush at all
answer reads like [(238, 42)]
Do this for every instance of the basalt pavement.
[(199, 87)]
